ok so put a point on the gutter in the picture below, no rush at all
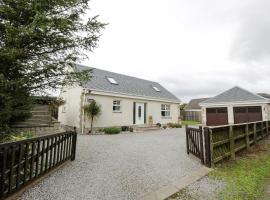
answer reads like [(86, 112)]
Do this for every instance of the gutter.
[(83, 104)]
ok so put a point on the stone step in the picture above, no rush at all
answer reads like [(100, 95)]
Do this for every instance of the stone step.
[(40, 117), (40, 112), (143, 129), (26, 125), (40, 108)]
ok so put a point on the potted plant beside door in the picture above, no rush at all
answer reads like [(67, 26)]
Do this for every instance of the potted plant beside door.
[(92, 111)]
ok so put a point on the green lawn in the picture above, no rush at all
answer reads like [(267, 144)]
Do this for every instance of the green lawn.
[(190, 123), (245, 178)]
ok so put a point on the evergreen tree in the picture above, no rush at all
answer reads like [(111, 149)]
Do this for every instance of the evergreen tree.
[(40, 40)]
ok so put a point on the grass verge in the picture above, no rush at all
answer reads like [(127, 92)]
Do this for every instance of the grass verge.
[(189, 123), (245, 178)]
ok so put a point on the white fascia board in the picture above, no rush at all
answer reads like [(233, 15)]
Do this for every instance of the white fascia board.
[(116, 94), (236, 103), (193, 110)]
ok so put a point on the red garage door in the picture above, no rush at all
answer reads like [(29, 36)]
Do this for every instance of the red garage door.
[(216, 116), (247, 114)]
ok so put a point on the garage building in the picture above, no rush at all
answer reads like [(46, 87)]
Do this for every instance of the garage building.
[(235, 106)]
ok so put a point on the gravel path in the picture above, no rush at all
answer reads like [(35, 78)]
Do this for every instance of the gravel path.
[(124, 166)]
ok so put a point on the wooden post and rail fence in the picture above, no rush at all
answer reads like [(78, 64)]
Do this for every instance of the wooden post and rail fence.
[(213, 144), (23, 162)]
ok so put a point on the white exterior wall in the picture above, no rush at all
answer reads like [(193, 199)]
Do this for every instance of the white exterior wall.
[(125, 117), (265, 111), (69, 114)]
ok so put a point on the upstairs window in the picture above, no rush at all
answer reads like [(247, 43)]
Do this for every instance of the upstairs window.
[(116, 106), (165, 110), (112, 80), (156, 89)]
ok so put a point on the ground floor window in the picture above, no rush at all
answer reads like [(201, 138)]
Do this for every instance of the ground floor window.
[(165, 110), (116, 106)]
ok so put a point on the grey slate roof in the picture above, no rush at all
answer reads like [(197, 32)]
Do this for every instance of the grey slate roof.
[(126, 85), (194, 103), (235, 94), (265, 95)]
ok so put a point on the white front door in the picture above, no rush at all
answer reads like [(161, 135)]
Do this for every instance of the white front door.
[(139, 113)]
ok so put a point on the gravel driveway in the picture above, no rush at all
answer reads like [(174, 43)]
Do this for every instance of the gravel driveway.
[(124, 166)]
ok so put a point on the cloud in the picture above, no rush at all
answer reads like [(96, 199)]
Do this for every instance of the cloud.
[(252, 41), (194, 48)]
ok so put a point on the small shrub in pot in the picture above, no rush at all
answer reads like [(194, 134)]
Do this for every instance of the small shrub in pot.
[(125, 128), (158, 124)]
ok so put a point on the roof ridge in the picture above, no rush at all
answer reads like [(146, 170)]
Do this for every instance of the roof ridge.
[(118, 73), (232, 95), (255, 94), (127, 84)]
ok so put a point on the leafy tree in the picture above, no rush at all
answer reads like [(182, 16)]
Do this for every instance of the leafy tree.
[(40, 41), (182, 110), (92, 110)]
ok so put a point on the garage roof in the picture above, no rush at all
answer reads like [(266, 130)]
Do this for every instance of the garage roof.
[(235, 94), (194, 104)]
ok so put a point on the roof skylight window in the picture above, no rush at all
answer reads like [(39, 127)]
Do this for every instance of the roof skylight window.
[(156, 89), (112, 80)]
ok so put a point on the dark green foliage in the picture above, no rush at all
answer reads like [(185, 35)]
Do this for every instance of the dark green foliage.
[(174, 125), (125, 128), (15, 103), (158, 124), (39, 43), (112, 130)]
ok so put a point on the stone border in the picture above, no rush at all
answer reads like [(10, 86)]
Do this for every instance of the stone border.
[(170, 189)]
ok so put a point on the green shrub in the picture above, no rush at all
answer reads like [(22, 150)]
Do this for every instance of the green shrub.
[(125, 128), (174, 125), (112, 130), (158, 124), (11, 137)]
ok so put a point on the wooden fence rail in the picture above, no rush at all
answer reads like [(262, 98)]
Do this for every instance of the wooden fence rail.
[(226, 141), (214, 144), (24, 161)]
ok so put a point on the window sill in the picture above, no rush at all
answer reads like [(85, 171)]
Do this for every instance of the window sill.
[(166, 117), (117, 111)]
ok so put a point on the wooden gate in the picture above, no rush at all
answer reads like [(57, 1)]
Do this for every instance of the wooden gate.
[(194, 138)]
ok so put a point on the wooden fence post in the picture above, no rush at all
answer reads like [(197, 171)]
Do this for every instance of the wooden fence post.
[(207, 147), (211, 147), (255, 133), (231, 137), (247, 137), (201, 145), (262, 132), (74, 142), (187, 140), (267, 129)]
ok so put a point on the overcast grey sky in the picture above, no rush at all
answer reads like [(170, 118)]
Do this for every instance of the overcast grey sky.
[(194, 48)]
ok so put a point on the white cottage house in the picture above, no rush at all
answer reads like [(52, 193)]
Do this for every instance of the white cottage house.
[(124, 100), (235, 106)]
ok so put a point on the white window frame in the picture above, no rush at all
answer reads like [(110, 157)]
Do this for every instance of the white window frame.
[(116, 103), (166, 108), (112, 80), (156, 89)]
